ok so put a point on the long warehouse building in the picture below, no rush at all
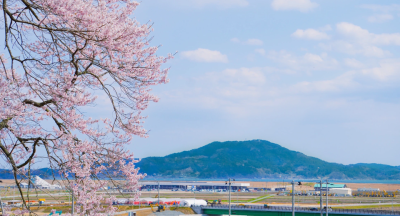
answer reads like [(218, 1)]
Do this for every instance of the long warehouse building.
[(193, 185)]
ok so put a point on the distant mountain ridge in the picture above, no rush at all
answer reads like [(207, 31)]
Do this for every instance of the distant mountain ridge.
[(257, 159), (45, 173), (248, 159)]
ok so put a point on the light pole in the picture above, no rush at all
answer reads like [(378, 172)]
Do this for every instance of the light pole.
[(292, 197), (229, 185), (320, 196), (158, 193), (327, 197), (70, 190), (293, 200)]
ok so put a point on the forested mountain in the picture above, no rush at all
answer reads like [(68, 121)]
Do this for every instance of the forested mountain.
[(248, 159), (257, 159)]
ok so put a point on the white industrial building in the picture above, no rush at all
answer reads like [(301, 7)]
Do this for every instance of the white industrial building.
[(340, 191)]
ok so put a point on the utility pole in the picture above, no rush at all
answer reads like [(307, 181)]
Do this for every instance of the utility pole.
[(320, 196), (229, 197), (158, 193), (1, 202), (229, 185), (327, 197), (292, 197)]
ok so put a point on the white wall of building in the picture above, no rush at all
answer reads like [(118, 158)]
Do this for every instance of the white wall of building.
[(341, 191)]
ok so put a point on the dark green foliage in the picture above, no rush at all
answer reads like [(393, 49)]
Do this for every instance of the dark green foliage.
[(257, 159)]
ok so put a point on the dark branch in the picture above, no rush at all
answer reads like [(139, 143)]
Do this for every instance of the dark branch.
[(36, 104)]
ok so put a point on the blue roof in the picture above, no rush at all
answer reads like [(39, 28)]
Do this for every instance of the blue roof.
[(331, 185)]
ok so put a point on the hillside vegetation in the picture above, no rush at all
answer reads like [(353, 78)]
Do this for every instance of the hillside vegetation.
[(257, 159), (246, 159)]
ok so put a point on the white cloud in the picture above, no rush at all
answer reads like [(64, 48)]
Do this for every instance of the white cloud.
[(247, 75), (386, 12), (253, 41), (364, 36), (235, 40), (260, 51), (310, 34), (205, 55), (388, 69), (326, 28), (353, 63), (357, 40), (307, 62), (234, 84), (355, 48), (337, 84), (299, 5), (379, 18)]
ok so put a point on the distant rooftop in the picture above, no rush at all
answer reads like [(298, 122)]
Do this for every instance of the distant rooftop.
[(331, 185)]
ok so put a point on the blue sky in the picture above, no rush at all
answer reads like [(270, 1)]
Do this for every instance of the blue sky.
[(319, 77)]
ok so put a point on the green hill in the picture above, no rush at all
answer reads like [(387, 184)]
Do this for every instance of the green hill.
[(257, 159)]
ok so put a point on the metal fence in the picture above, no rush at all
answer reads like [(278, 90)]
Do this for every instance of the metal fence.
[(303, 209)]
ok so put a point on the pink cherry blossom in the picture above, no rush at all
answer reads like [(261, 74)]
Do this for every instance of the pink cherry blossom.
[(60, 57)]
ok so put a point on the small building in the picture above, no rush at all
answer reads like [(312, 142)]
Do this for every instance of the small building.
[(260, 189), (280, 189), (330, 186), (14, 202), (25, 185), (368, 189), (340, 191)]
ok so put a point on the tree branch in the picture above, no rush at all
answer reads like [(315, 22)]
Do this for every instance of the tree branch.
[(36, 104)]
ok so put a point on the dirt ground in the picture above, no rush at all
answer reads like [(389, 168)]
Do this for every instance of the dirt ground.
[(143, 212)]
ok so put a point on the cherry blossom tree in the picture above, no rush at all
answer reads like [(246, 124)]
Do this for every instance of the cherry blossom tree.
[(60, 59)]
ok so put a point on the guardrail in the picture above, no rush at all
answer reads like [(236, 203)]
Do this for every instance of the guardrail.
[(303, 209)]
